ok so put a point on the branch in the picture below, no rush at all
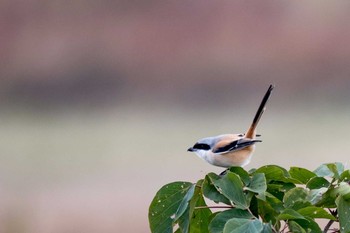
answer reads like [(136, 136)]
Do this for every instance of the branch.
[(284, 227), (329, 224)]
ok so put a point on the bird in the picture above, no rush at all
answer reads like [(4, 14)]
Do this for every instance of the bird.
[(229, 150)]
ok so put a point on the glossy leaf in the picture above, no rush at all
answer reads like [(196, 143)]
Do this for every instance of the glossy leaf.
[(267, 212), (317, 183), (301, 174), (295, 227), (267, 228), (330, 169), (253, 207), (187, 221), (328, 198), (184, 202), (165, 205), (339, 168), (309, 225), (278, 189), (218, 222), (257, 184), (239, 225), (344, 214), (184, 222), (275, 203), (231, 186), (243, 174), (274, 172), (211, 192), (315, 212), (200, 217), (343, 190), (316, 195), (345, 176), (261, 201), (295, 196), (290, 214)]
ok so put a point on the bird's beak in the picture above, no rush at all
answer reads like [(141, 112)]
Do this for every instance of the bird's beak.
[(190, 149)]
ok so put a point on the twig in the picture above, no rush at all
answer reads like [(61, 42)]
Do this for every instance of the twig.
[(284, 227), (329, 224)]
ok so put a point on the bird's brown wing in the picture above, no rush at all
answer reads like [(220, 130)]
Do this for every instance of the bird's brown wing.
[(235, 145)]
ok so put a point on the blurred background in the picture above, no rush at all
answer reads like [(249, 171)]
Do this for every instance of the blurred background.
[(100, 99)]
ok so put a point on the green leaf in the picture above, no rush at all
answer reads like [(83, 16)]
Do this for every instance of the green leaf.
[(295, 227), (340, 168), (273, 172), (281, 186), (344, 190), (343, 207), (200, 218), (317, 183), (345, 176), (309, 225), (296, 198), (300, 225), (278, 189), (267, 212), (184, 222), (257, 184), (267, 228), (328, 198), (194, 215), (263, 199), (253, 207), (219, 221), (165, 205), (251, 171), (231, 186), (249, 196), (184, 203), (315, 212), (323, 171), (290, 214), (301, 174), (243, 174), (211, 192), (330, 169), (239, 225), (275, 203), (315, 195)]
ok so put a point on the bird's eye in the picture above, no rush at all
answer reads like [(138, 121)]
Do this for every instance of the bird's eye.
[(201, 146)]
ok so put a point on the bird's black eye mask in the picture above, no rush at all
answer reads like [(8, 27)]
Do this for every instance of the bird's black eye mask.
[(201, 146)]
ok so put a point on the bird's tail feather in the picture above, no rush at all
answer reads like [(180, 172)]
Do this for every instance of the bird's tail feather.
[(251, 131)]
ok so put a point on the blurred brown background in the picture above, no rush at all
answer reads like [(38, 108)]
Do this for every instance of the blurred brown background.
[(100, 99)]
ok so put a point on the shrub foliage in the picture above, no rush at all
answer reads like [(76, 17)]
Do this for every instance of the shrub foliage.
[(268, 199)]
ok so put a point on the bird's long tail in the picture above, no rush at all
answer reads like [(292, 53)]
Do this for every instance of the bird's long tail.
[(251, 131)]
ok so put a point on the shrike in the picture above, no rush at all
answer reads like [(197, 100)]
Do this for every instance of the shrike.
[(228, 150)]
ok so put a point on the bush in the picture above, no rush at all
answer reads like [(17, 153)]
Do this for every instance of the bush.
[(267, 199)]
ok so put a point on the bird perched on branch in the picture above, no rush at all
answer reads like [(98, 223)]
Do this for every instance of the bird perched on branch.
[(228, 150)]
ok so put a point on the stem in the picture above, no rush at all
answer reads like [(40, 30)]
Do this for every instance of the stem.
[(212, 207), (250, 212), (329, 224), (284, 227)]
